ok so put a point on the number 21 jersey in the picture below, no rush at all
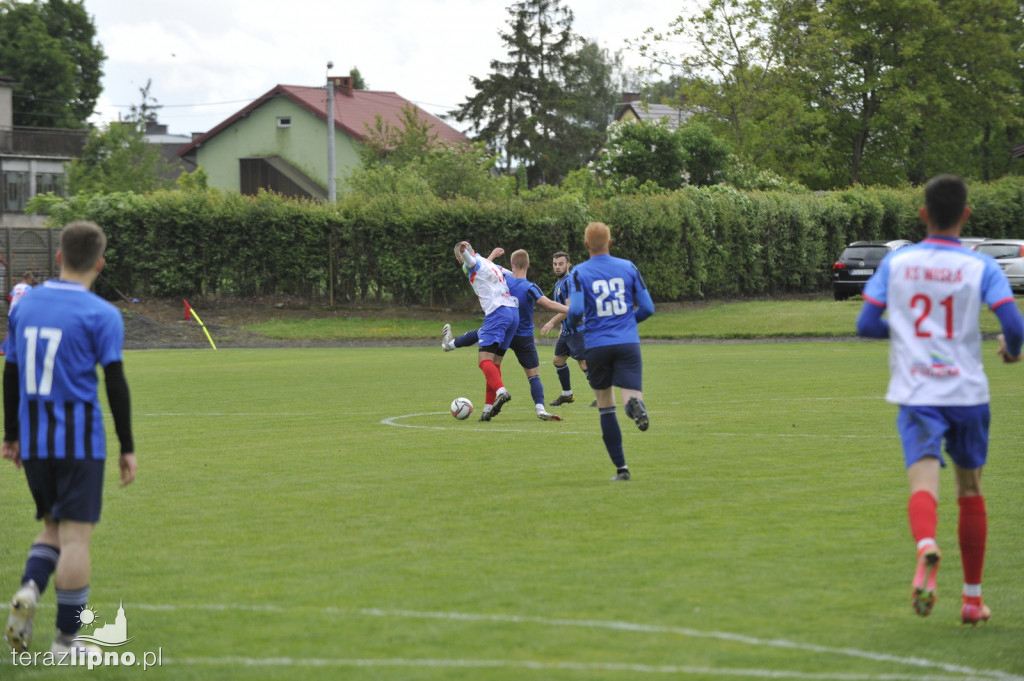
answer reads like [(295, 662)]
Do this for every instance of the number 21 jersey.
[(933, 293)]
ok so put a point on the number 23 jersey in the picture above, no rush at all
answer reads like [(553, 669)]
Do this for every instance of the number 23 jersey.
[(609, 286), (933, 293)]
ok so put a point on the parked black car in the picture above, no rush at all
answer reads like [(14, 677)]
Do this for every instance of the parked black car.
[(857, 263)]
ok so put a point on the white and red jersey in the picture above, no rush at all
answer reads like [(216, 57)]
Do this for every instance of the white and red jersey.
[(488, 281), (19, 290), (933, 293)]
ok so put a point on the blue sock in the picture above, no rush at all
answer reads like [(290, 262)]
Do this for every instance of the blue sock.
[(536, 390), (612, 436), (69, 606), (467, 339), (563, 378), (42, 561)]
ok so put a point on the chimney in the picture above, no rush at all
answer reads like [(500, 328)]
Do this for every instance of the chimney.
[(343, 85), (629, 97)]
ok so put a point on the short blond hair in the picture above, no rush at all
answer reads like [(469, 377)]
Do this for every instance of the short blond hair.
[(597, 236), (520, 259)]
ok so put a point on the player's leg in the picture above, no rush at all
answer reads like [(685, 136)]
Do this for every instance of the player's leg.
[(74, 571), (560, 362), (42, 557), (628, 377), (602, 362), (968, 447), (511, 322), (76, 513), (972, 531), (578, 351), (39, 567), (526, 352), (921, 432), (448, 343), (495, 336)]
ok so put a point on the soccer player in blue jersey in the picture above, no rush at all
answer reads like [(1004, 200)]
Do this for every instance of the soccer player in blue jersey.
[(501, 317), (570, 340), (610, 293), (53, 427), (523, 344), (933, 293)]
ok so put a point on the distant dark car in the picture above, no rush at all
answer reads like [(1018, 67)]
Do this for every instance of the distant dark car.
[(1009, 253), (857, 263)]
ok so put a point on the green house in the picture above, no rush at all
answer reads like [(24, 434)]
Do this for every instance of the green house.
[(279, 141)]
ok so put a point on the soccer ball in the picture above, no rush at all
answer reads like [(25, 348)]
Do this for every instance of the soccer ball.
[(461, 408)]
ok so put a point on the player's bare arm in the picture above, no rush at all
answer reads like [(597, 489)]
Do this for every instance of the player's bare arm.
[(129, 467), (496, 253), (553, 322), (551, 305), (1002, 352)]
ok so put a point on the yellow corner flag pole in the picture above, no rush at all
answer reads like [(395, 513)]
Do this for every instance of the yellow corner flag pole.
[(200, 322)]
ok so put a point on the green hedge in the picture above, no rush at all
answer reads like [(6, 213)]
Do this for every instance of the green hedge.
[(697, 242)]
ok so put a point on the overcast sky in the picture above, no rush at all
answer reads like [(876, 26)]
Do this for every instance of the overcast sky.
[(208, 58)]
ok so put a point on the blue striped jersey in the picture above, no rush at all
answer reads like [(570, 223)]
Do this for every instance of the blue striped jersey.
[(58, 335)]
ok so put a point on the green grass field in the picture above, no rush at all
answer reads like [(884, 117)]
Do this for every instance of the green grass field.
[(821, 317), (317, 514)]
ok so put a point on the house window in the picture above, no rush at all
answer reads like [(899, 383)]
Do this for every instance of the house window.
[(284, 121), (15, 192), (50, 182)]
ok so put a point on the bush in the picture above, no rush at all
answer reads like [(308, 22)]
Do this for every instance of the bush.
[(392, 243)]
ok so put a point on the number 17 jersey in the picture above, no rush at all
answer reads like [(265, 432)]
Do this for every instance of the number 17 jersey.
[(59, 333), (933, 293)]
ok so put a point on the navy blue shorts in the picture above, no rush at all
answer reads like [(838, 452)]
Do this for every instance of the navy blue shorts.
[(965, 430), (615, 365), (526, 351), (571, 345), (66, 489)]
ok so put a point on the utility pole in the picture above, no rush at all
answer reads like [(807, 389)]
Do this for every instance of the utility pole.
[(332, 190)]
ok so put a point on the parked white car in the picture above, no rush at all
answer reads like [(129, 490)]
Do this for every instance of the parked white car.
[(1009, 253)]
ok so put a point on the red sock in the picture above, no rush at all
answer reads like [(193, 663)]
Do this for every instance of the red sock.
[(924, 515), (492, 374), (973, 530)]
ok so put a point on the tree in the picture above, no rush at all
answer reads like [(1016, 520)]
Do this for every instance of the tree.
[(642, 151), (389, 144), (50, 48), (730, 76), (117, 157), (705, 156), (408, 159), (835, 92), (358, 83), (546, 105), (593, 86)]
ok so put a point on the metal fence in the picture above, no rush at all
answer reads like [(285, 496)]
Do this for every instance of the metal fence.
[(24, 249)]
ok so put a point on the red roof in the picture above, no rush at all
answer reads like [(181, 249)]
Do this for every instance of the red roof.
[(351, 112)]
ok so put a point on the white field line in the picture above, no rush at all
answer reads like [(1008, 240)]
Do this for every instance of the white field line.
[(677, 670), (960, 672), (393, 421)]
